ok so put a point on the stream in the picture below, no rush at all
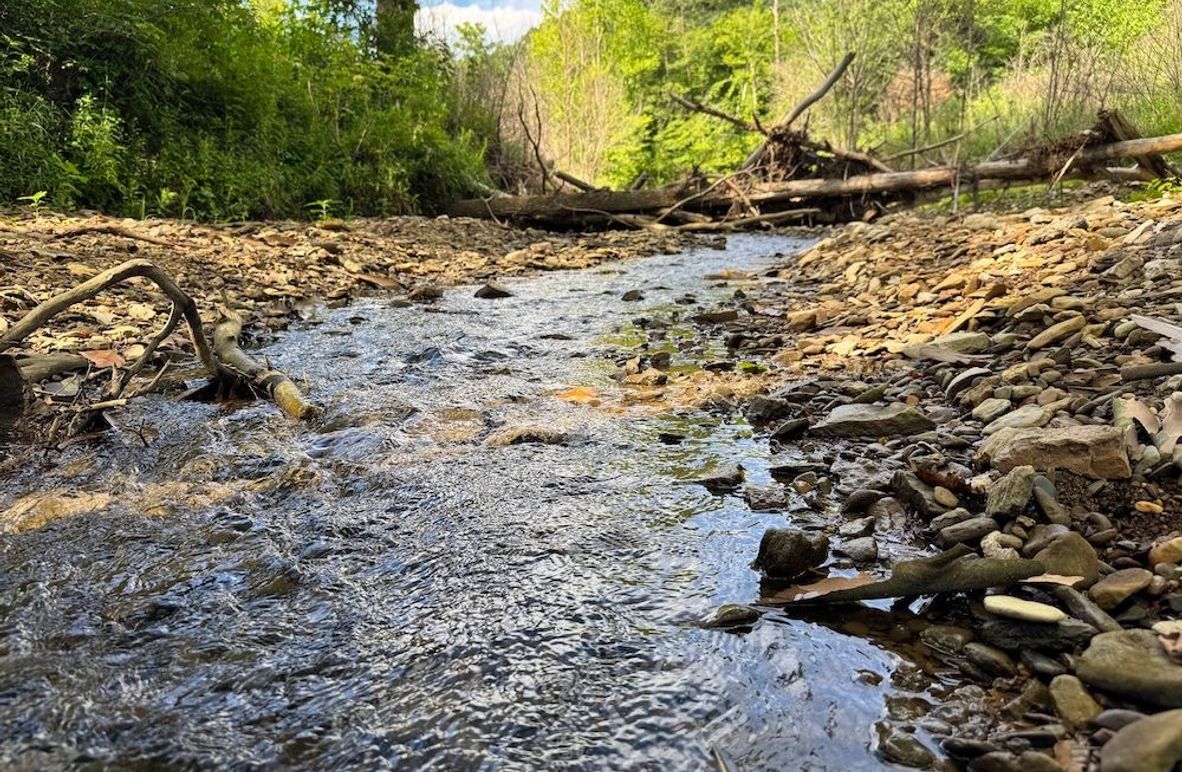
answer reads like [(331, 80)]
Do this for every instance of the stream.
[(385, 590)]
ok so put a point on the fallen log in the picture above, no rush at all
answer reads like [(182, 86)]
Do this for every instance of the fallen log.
[(1087, 162)]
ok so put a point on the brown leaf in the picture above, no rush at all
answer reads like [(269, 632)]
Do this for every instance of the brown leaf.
[(817, 589), (381, 282), (103, 358)]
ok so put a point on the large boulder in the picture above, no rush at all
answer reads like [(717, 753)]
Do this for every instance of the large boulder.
[(1093, 451), (873, 421), (1153, 744), (786, 553), (1133, 664)]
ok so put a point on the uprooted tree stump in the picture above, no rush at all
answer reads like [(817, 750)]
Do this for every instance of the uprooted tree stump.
[(224, 360)]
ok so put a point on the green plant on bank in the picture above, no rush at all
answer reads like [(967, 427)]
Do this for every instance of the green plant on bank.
[(323, 209), (33, 200), (219, 109)]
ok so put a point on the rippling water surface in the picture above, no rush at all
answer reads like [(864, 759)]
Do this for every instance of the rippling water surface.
[(384, 590)]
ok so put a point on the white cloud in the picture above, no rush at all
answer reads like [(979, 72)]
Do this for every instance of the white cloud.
[(504, 22)]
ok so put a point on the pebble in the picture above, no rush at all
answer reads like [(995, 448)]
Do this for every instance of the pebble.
[(1168, 551), (1024, 610), (1072, 702), (1114, 589)]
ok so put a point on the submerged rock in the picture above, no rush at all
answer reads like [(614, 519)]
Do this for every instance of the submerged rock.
[(873, 421), (493, 292), (787, 553)]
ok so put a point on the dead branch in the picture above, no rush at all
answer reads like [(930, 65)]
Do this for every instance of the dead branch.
[(231, 358), (573, 180), (697, 107)]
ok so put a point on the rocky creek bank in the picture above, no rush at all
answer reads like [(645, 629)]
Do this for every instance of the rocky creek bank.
[(984, 412)]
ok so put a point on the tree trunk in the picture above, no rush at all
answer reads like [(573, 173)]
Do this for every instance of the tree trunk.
[(394, 26)]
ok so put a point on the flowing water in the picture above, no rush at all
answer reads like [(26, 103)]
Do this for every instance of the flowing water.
[(383, 589)]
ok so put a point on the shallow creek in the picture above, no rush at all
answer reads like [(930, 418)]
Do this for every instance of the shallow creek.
[(383, 589)]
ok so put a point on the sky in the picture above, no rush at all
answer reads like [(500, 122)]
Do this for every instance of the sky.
[(505, 20)]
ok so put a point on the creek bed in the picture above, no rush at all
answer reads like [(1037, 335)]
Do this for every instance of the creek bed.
[(384, 589)]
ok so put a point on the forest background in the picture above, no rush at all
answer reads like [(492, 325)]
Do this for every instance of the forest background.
[(233, 109)]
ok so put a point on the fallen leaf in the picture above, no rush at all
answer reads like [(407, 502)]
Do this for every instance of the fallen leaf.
[(381, 282), (817, 589), (103, 358), (1171, 424), (1171, 331), (141, 312), (1067, 581)]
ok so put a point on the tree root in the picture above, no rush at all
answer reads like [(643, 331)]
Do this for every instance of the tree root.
[(224, 360)]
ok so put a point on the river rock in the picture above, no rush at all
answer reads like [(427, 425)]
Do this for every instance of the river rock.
[(916, 493), (1133, 664), (1114, 589), (1153, 744), (1093, 451), (873, 421), (1071, 555), (493, 292), (1169, 551), (1072, 702), (861, 550), (945, 638), (521, 435), (963, 342), (991, 409), (1057, 332), (763, 410), (1117, 719), (970, 530), (1010, 495), (903, 747), (1025, 417), (725, 478), (1015, 635), (1024, 610), (990, 659), (732, 615), (786, 553), (1082, 607)]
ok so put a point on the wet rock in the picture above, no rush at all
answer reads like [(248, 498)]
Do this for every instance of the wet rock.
[(787, 553), (861, 550), (723, 479), (789, 431), (1010, 495), (766, 498), (632, 295), (964, 380), (1024, 610), (951, 517), (1042, 535), (1092, 451), (1133, 664), (764, 410), (1153, 744), (1071, 555), (1012, 634), (970, 530), (1117, 587), (520, 435), (1003, 761), (863, 526), (860, 501), (873, 421), (732, 615), (1072, 702), (903, 747), (493, 292), (990, 659), (1083, 608), (944, 497), (945, 638), (1040, 664), (1117, 718), (1169, 551), (916, 493)]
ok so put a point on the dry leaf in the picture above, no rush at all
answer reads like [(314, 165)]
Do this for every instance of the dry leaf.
[(1068, 581), (103, 358), (1171, 331), (381, 282), (1171, 424)]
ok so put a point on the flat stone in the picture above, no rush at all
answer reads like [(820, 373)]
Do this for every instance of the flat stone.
[(990, 659), (915, 493), (1057, 332), (1117, 587), (786, 553), (873, 421), (1041, 535), (1015, 635), (991, 409), (1092, 451), (863, 526), (1133, 664), (1082, 607), (732, 615), (725, 478), (970, 530), (1025, 417), (1071, 555), (945, 638), (861, 550), (860, 500), (1023, 610), (1010, 495), (1153, 744), (1042, 665), (964, 380), (1169, 551), (764, 410), (1117, 719), (963, 342), (1072, 702)]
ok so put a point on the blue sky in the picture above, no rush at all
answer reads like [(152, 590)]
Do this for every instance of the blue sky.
[(505, 20)]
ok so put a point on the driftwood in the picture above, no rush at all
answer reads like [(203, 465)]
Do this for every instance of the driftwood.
[(1086, 162), (225, 360)]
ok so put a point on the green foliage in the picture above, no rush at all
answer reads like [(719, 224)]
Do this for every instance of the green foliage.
[(221, 109)]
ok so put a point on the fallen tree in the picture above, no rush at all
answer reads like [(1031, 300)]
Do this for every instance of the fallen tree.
[(224, 360), (1088, 162)]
